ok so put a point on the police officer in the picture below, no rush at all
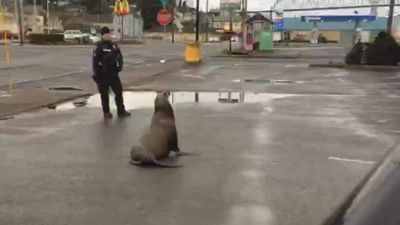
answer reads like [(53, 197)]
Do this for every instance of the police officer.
[(107, 63)]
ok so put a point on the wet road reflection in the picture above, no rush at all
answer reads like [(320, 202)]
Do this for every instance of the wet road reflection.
[(135, 100)]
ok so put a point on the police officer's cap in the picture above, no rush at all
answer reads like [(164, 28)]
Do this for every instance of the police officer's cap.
[(105, 30)]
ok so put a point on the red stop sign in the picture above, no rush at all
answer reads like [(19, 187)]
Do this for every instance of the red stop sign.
[(164, 17)]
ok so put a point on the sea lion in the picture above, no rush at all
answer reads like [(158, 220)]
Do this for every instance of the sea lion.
[(164, 116), (160, 139)]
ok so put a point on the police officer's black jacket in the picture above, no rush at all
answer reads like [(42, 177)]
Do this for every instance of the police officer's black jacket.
[(107, 60)]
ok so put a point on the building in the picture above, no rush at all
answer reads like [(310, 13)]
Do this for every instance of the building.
[(339, 32), (227, 13)]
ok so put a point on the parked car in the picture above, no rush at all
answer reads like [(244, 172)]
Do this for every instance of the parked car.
[(235, 38), (94, 38), (76, 35)]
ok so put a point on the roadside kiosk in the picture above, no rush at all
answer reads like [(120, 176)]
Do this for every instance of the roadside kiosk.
[(259, 33)]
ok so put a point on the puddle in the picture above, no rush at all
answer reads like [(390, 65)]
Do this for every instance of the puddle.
[(264, 81), (136, 100)]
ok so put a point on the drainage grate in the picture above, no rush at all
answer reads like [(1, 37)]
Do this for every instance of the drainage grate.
[(65, 88), (7, 118), (80, 102)]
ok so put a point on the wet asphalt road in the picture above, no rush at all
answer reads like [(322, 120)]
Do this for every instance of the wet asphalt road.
[(33, 66), (291, 149)]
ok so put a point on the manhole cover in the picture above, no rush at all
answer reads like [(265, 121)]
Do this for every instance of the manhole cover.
[(80, 102), (65, 88), (7, 118)]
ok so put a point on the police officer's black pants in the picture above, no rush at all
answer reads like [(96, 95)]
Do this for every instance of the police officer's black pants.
[(104, 86)]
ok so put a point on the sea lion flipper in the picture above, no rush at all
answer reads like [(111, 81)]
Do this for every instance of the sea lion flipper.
[(167, 164), (180, 153), (135, 163)]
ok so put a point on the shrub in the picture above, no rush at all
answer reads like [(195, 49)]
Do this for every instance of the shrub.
[(46, 38)]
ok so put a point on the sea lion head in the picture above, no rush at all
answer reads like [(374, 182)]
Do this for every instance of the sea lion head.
[(163, 94)]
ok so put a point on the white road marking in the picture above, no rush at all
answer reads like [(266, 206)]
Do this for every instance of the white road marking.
[(192, 76), (352, 160)]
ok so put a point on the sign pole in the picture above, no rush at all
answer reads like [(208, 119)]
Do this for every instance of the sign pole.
[(7, 53), (173, 25), (390, 17), (230, 32), (197, 19), (21, 28)]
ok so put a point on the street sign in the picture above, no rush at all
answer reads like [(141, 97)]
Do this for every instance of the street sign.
[(232, 9), (337, 18), (164, 17), (164, 2), (278, 21)]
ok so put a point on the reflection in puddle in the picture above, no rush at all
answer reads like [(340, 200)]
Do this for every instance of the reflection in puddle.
[(135, 100), (4, 94), (264, 81)]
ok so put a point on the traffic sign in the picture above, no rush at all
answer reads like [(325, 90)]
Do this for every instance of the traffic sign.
[(164, 17), (278, 21)]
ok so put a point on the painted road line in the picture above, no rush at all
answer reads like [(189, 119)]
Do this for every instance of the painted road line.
[(352, 160)]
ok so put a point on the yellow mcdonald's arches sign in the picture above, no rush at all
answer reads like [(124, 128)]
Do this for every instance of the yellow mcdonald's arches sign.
[(121, 7)]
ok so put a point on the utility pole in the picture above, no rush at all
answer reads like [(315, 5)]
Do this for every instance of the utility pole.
[(20, 23), (173, 4), (34, 16), (230, 31), (48, 16), (197, 19), (390, 18), (207, 23), (244, 17)]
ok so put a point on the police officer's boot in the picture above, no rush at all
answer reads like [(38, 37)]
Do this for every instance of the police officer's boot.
[(108, 115), (124, 114)]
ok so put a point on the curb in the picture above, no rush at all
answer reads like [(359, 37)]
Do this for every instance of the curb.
[(356, 67), (274, 56)]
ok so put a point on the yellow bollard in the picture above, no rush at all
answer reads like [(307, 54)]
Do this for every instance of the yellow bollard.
[(193, 53), (7, 52), (7, 49)]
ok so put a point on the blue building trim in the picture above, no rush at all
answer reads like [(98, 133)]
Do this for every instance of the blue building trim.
[(337, 18), (295, 24)]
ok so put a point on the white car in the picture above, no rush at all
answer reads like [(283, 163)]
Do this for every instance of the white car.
[(77, 36), (73, 34), (94, 38)]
